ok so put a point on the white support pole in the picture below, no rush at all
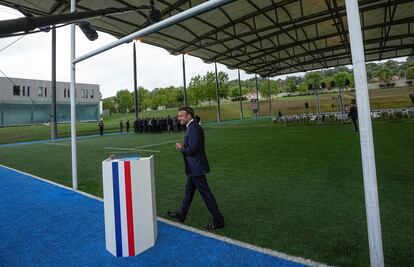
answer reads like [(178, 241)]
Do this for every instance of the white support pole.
[(217, 94), (189, 13), (240, 95), (72, 100), (341, 104), (184, 83), (270, 97), (257, 97), (366, 139), (318, 110)]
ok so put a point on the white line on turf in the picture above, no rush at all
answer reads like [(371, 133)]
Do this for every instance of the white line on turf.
[(139, 147), (147, 150), (194, 230), (57, 144), (120, 148), (174, 141)]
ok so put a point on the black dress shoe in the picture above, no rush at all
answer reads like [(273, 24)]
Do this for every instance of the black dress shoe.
[(175, 215), (213, 226)]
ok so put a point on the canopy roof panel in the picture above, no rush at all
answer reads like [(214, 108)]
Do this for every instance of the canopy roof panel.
[(267, 37)]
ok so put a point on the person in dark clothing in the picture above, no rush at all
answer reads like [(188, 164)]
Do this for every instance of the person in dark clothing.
[(101, 127), (353, 114), (169, 124), (196, 168), (127, 125), (121, 126), (136, 123)]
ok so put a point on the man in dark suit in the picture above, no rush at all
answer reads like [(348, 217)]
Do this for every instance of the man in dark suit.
[(353, 114), (101, 127), (196, 168)]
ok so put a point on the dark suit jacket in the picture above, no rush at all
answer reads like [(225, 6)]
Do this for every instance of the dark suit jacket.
[(195, 159), (353, 113)]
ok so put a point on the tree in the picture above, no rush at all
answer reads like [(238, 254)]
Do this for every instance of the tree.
[(328, 80), (209, 82), (314, 79), (290, 85), (143, 94), (393, 66), (372, 70), (196, 90), (234, 91), (125, 100), (385, 75), (109, 104), (223, 78), (340, 79), (409, 73), (264, 87)]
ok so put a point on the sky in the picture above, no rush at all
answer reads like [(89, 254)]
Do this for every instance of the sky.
[(30, 58)]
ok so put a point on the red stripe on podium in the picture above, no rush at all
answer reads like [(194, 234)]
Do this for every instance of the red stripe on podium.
[(130, 219)]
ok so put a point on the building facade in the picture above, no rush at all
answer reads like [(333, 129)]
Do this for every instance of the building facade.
[(26, 101)]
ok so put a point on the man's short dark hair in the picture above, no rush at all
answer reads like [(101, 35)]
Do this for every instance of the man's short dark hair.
[(188, 110)]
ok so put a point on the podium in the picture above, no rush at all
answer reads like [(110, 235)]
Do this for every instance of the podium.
[(129, 205)]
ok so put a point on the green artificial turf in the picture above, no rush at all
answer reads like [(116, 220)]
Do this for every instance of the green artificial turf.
[(295, 189)]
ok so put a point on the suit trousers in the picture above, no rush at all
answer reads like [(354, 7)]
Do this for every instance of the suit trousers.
[(200, 183)]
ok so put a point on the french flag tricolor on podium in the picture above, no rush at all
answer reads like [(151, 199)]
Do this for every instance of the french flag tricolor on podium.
[(129, 206)]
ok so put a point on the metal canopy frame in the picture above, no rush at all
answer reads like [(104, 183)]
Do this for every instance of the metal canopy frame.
[(266, 37)]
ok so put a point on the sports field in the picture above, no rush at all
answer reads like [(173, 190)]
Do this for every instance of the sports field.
[(379, 99), (294, 189)]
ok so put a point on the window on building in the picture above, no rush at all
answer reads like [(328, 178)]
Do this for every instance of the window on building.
[(91, 93), (45, 91), (24, 91), (68, 92), (86, 93), (40, 91), (28, 90), (83, 93), (64, 93), (16, 89)]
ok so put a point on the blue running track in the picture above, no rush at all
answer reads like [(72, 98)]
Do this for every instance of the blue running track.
[(45, 225)]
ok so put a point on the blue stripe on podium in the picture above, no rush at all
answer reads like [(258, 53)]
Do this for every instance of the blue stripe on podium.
[(117, 209)]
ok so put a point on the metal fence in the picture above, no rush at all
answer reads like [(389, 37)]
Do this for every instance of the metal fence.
[(23, 114), (337, 116)]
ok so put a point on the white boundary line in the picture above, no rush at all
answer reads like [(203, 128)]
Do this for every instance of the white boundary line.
[(158, 144), (139, 147), (147, 150), (58, 144), (131, 149), (120, 148), (228, 240)]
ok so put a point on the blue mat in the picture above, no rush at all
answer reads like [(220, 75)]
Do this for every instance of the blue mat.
[(45, 225)]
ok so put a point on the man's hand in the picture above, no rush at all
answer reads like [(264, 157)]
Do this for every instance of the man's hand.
[(178, 146)]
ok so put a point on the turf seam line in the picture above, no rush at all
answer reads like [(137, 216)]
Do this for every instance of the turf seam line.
[(78, 138), (266, 251), (172, 141)]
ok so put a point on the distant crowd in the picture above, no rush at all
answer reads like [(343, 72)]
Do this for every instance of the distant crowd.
[(151, 125), (157, 125)]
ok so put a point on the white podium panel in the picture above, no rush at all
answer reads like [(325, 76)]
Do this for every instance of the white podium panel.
[(129, 205)]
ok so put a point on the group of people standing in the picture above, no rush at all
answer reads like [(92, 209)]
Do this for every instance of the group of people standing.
[(157, 125), (150, 125)]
